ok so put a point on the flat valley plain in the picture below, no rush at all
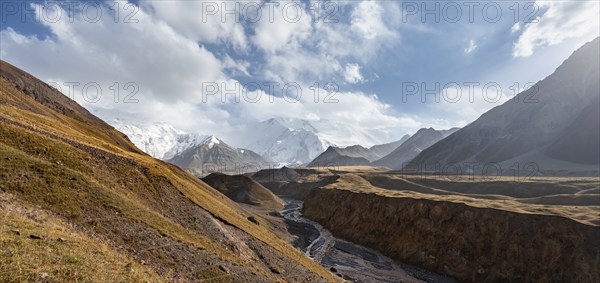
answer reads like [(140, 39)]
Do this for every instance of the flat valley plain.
[(576, 198)]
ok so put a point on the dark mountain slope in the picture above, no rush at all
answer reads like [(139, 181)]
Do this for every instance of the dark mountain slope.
[(349, 156), (382, 150), (355, 155), (554, 125), (420, 141)]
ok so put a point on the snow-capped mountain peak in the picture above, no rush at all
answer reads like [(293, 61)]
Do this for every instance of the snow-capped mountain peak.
[(160, 140), (283, 141), (211, 141)]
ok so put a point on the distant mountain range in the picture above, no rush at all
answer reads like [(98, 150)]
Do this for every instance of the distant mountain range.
[(552, 128), (200, 154), (291, 142), (273, 140), (213, 155), (348, 156), (391, 155), (160, 140), (271, 143)]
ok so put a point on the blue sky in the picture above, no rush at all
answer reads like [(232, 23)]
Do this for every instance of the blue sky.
[(373, 51)]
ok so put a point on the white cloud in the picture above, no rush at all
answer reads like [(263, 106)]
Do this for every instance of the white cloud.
[(352, 74), (309, 51), (237, 68), (163, 55), (165, 65), (196, 21), (562, 20), (472, 46), (344, 118), (367, 20), (290, 24)]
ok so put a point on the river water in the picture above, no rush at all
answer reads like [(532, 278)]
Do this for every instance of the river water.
[(351, 261)]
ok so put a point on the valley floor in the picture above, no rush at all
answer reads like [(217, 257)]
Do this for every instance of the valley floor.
[(349, 260)]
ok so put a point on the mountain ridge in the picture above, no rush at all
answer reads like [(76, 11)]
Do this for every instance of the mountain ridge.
[(414, 145), (213, 155), (517, 132), (380, 155)]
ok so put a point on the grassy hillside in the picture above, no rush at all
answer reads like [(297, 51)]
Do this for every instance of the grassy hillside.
[(62, 254), (57, 156), (243, 189)]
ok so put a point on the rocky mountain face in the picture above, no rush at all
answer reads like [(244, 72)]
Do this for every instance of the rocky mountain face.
[(552, 127), (243, 189), (468, 243), (213, 155), (102, 193), (421, 140)]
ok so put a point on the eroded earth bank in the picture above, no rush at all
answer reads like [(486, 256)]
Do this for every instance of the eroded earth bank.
[(494, 238)]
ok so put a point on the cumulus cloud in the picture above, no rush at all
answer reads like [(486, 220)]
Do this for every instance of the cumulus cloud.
[(290, 24), (370, 26), (368, 22), (145, 68), (352, 74), (163, 64), (206, 21), (315, 48), (561, 20), (163, 54)]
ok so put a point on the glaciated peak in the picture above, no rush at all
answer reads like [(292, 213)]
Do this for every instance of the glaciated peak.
[(211, 141)]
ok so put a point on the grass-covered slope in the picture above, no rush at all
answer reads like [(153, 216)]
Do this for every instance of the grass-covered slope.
[(57, 156), (243, 189)]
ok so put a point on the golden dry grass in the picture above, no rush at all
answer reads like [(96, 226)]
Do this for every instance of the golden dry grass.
[(357, 169), (72, 167), (416, 187), (63, 254)]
